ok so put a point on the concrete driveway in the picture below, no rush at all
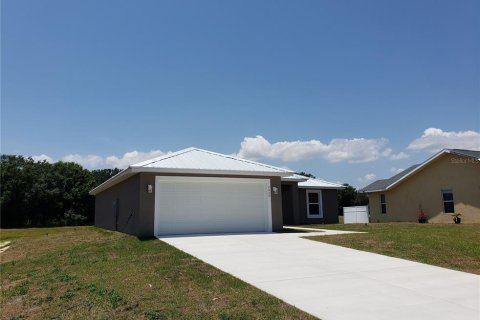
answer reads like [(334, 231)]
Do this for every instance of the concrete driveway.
[(332, 282)]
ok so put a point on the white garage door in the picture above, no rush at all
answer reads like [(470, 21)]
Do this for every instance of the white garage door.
[(189, 205)]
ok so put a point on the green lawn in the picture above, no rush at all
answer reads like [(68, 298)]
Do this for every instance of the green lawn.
[(85, 272), (445, 245)]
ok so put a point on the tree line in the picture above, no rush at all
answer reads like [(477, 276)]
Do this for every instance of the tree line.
[(35, 194)]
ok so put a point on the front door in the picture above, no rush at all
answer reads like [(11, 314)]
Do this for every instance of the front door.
[(287, 205)]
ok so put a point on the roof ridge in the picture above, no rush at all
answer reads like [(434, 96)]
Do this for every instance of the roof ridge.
[(240, 159), (162, 157), (190, 149)]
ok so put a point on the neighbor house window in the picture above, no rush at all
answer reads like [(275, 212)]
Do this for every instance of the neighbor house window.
[(314, 204), (383, 203), (448, 206)]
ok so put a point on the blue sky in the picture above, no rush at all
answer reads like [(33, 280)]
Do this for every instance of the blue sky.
[(348, 90)]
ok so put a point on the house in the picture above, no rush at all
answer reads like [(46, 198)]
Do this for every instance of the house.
[(195, 191), (307, 201), (447, 183)]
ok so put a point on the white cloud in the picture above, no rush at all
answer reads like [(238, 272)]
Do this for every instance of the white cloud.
[(88, 161), (92, 161), (387, 152), (434, 139), (132, 158), (396, 170), (368, 177), (42, 157), (399, 156), (352, 150)]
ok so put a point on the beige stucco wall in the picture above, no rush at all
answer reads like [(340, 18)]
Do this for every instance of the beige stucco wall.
[(459, 174)]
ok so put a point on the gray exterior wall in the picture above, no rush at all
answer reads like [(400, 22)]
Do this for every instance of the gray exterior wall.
[(128, 194), (290, 206), (277, 218), (135, 199), (298, 202), (330, 205)]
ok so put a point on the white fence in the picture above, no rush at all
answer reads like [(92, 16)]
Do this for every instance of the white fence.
[(355, 214)]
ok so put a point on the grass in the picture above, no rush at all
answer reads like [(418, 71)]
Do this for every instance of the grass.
[(445, 245), (85, 272), (8, 234)]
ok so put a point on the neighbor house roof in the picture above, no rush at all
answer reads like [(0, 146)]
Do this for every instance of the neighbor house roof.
[(196, 161), (467, 153), (319, 184), (385, 184)]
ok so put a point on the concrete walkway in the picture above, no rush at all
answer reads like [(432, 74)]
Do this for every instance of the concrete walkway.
[(333, 282), (321, 232)]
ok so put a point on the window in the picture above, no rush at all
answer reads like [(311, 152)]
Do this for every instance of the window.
[(314, 204), (383, 203), (448, 206)]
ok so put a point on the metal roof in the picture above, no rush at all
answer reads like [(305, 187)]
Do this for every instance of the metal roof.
[(295, 178), (385, 184), (196, 161), (319, 184)]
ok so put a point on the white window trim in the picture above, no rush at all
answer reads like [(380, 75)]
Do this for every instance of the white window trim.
[(452, 201), (320, 204)]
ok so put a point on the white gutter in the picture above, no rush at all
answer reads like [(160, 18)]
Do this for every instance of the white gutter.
[(130, 171), (319, 187), (212, 171)]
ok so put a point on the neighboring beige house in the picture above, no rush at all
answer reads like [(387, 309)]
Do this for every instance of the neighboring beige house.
[(447, 183)]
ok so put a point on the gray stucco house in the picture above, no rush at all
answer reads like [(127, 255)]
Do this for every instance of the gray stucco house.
[(196, 191), (309, 201)]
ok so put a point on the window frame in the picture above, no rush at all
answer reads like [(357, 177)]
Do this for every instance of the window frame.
[(320, 204), (383, 204), (444, 191)]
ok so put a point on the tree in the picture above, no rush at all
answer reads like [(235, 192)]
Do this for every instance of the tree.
[(103, 175), (14, 185), (349, 196), (306, 174), (43, 194)]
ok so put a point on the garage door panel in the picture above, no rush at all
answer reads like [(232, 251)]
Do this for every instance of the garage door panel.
[(196, 205)]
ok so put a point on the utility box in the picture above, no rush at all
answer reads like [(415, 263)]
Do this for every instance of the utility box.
[(358, 214)]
